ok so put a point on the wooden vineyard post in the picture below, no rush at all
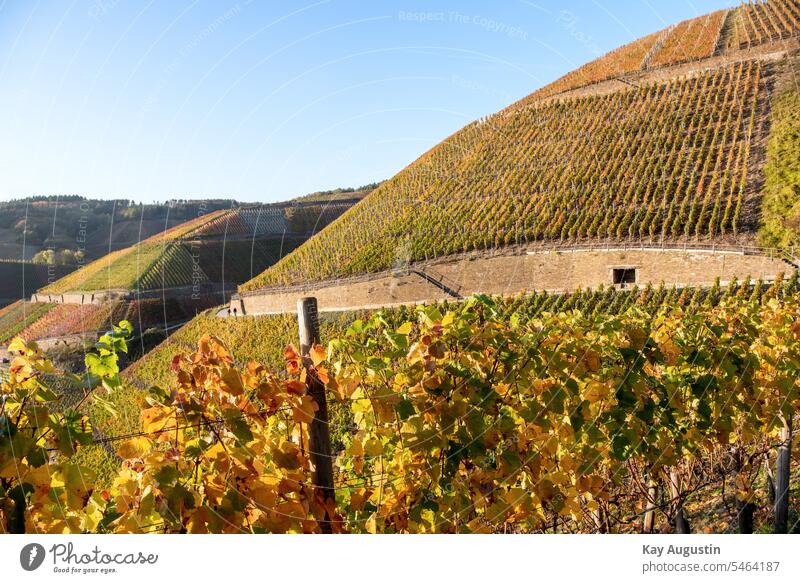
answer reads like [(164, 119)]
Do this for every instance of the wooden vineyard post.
[(770, 480), (781, 520), (681, 522), (744, 509), (650, 513), (319, 438)]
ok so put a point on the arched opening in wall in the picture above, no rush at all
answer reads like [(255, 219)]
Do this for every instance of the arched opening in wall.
[(623, 275)]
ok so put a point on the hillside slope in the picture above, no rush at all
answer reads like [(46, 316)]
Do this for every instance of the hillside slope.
[(675, 156), (91, 227), (223, 246)]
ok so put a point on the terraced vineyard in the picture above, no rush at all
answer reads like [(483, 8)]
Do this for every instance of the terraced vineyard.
[(264, 220), (154, 266), (117, 270), (16, 317), (313, 218), (174, 267), (242, 259), (275, 219), (619, 61), (781, 207), (227, 223), (38, 321), (69, 319), (750, 25), (229, 246), (175, 264), (189, 228), (668, 160), (759, 22), (690, 40)]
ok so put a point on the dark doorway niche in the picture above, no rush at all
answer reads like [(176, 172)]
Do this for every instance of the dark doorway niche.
[(623, 275)]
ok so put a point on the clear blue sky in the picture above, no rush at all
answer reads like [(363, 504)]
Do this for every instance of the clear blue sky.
[(265, 100)]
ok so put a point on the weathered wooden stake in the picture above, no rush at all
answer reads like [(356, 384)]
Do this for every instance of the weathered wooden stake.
[(319, 438), (650, 515), (600, 523), (681, 522), (770, 480), (782, 467), (744, 510)]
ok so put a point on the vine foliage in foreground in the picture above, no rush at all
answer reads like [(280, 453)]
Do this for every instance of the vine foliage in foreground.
[(468, 420), (224, 451)]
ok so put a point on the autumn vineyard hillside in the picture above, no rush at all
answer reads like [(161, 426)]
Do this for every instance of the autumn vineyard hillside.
[(244, 240), (663, 140), (632, 406)]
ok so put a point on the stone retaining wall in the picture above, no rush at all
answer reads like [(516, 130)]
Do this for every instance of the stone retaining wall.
[(112, 295), (555, 271), (100, 297)]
